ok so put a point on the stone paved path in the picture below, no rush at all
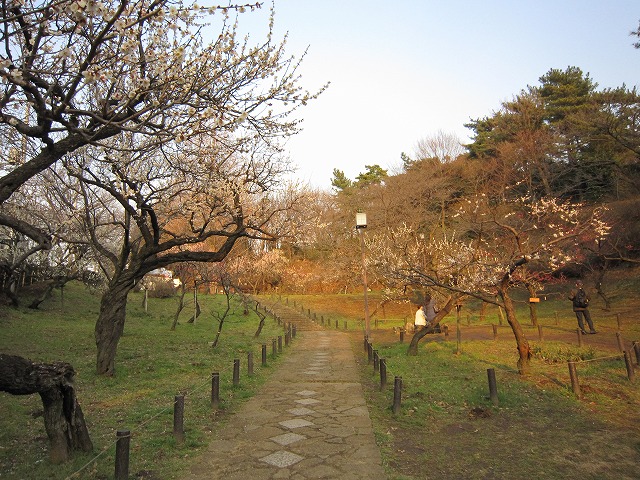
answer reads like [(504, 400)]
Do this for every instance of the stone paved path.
[(309, 421)]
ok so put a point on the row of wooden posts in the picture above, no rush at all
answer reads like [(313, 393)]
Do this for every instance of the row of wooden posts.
[(380, 366), (123, 436)]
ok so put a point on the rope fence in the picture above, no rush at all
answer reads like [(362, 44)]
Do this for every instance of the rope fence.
[(380, 366), (122, 441)]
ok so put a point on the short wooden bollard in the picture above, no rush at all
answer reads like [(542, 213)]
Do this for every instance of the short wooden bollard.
[(236, 372), (122, 454), (215, 389), (575, 386), (274, 347), (619, 322), (397, 394), (493, 388), (264, 354), (579, 333), (636, 348), (376, 365), (366, 343), (337, 327), (369, 353), (345, 324), (401, 335), (383, 374), (540, 335), (556, 315), (495, 331), (178, 418), (322, 320), (620, 341), (286, 339), (279, 343), (629, 365), (250, 363)]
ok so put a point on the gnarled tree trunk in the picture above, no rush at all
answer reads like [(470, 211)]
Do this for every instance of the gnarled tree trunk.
[(524, 350), (110, 325), (63, 418), (413, 346)]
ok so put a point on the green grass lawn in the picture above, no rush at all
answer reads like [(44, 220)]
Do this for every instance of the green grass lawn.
[(153, 365), (447, 426)]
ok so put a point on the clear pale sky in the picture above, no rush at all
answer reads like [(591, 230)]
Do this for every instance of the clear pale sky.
[(402, 70)]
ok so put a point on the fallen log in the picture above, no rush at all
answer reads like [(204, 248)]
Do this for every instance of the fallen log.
[(63, 418)]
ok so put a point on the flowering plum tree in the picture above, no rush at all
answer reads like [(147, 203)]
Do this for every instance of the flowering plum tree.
[(159, 125), (487, 258)]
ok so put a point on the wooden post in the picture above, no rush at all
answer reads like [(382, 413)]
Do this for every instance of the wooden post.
[(458, 332), (493, 389), (250, 363), (629, 365), (236, 372), (556, 315), (383, 373), (369, 353), (345, 324), (279, 343), (122, 454), (397, 394), (619, 322), (366, 344), (274, 347), (579, 333), (178, 418), (620, 341), (495, 331), (636, 348), (402, 335), (575, 386), (540, 336), (286, 339), (375, 361), (264, 354), (215, 389)]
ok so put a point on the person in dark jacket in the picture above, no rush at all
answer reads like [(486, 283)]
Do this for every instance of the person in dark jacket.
[(580, 299)]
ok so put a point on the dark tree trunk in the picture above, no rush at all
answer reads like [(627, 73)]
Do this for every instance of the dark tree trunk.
[(420, 334), (63, 418), (59, 282), (599, 280), (110, 325), (522, 344), (262, 317), (183, 292)]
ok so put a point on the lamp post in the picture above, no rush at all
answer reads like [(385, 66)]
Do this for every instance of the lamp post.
[(361, 223)]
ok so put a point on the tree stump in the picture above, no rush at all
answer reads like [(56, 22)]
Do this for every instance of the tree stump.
[(63, 418)]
